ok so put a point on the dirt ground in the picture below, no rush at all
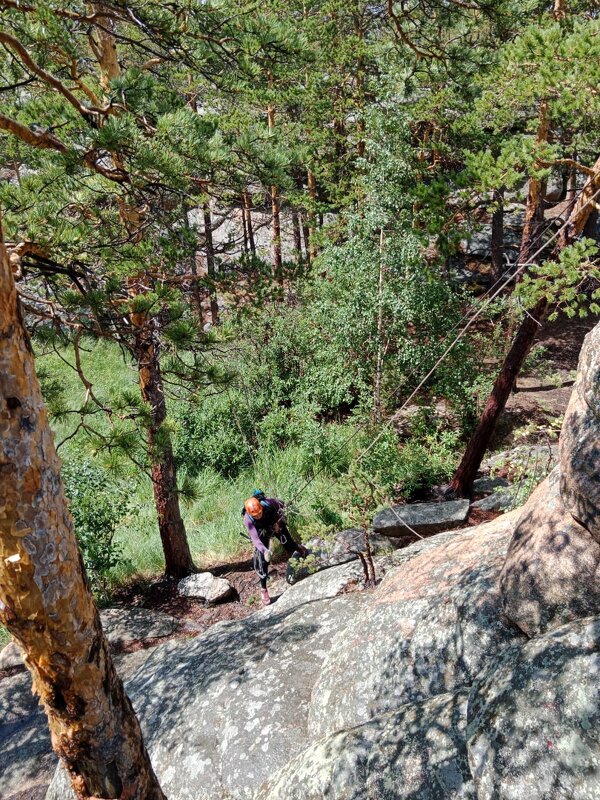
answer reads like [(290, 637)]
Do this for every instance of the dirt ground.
[(160, 594), (542, 395)]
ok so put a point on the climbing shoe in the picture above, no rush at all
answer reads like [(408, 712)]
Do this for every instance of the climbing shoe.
[(265, 597)]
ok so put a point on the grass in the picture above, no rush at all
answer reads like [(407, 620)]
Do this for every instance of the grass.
[(4, 637), (213, 519)]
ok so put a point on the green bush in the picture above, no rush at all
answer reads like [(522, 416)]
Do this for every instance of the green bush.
[(219, 435), (97, 501), (427, 458), (325, 449)]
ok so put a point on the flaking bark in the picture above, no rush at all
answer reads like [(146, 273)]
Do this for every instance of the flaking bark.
[(45, 600)]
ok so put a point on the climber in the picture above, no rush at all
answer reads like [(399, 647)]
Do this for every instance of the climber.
[(264, 518)]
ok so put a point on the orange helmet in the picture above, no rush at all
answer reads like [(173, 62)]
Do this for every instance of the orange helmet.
[(254, 508)]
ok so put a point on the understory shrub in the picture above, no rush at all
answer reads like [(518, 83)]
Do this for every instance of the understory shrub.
[(402, 469), (97, 502)]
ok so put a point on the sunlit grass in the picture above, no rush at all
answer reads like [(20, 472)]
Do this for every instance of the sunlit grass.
[(4, 637), (213, 519)]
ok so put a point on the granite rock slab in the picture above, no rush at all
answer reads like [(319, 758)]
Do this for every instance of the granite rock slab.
[(123, 625), (424, 518), (534, 720)]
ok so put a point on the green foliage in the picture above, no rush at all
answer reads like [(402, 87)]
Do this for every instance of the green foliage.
[(97, 503), (388, 132), (571, 282), (428, 457), (216, 435)]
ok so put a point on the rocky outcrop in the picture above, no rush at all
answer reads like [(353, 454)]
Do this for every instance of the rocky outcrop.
[(427, 688), (422, 518), (534, 719), (361, 695), (552, 572), (417, 751), (439, 616), (579, 446)]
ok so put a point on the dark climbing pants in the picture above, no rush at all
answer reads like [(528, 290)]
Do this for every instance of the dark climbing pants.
[(280, 532)]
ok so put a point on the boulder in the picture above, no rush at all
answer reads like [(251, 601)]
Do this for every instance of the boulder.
[(125, 625), (580, 440), (416, 752), (497, 501), (552, 570), (322, 585), (486, 485), (205, 586), (222, 712), (524, 459), (345, 546), (429, 628), (534, 720), (423, 518), (26, 757), (11, 656)]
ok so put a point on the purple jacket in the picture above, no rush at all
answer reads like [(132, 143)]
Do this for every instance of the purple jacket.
[(254, 532)]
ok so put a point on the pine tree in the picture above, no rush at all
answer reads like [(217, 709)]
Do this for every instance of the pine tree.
[(105, 147), (45, 599)]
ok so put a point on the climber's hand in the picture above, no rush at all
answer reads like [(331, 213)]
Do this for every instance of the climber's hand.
[(267, 555)]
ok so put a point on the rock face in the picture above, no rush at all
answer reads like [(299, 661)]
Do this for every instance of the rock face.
[(552, 571), (222, 712), (386, 694), (580, 440), (534, 721), (124, 625), (424, 518), (206, 586), (439, 616), (426, 688), (428, 762)]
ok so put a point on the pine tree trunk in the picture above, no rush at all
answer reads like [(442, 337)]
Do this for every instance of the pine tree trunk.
[(534, 209), (497, 243), (297, 236), (303, 224), (45, 600), (277, 259), (210, 264), (275, 204), (312, 193), (178, 559), (244, 231), (379, 358), (196, 296), (560, 9), (249, 229), (462, 482), (195, 285)]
